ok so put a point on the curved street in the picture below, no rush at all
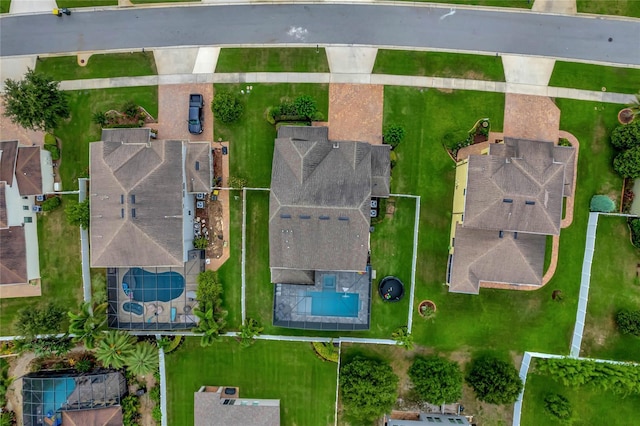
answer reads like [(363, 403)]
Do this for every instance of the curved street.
[(598, 39)]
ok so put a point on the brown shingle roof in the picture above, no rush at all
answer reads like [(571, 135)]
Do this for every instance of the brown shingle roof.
[(13, 256), (111, 416), (517, 187), (484, 256), (4, 223), (146, 178), (8, 153), (380, 170), (29, 171)]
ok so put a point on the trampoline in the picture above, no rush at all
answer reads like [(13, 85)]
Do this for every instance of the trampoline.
[(391, 289)]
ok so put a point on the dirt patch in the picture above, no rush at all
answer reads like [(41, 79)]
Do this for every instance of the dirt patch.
[(355, 112), (443, 90)]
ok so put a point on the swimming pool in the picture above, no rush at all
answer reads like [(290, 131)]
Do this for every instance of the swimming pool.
[(151, 286), (55, 393), (333, 304)]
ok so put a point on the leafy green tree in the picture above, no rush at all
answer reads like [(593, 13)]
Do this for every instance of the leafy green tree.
[(602, 203), (403, 338), (494, 381), (78, 213), (209, 288), (209, 325), (393, 134), (86, 324), (115, 348), (39, 320), (626, 136), (436, 379), (558, 406), (144, 359), (368, 389), (249, 330), (226, 107), (627, 163), (35, 102), (628, 322), (305, 106)]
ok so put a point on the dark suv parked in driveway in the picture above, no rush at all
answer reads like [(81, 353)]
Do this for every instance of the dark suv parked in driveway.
[(196, 115)]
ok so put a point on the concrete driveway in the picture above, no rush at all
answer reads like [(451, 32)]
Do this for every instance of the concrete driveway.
[(173, 111)]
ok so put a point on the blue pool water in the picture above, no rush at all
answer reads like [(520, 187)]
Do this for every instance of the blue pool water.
[(332, 304), (149, 286), (329, 281), (56, 392)]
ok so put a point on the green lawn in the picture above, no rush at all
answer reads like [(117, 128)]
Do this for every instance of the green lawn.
[(290, 372), (588, 404), (287, 59), (98, 66), (163, 1), (86, 3), (614, 286), (595, 77), (525, 4), (610, 7), (5, 5), (439, 64), (79, 130), (60, 268), (230, 272)]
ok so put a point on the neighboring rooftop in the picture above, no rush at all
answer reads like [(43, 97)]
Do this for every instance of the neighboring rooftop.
[(8, 153), (111, 416), (13, 256), (222, 406), (423, 419)]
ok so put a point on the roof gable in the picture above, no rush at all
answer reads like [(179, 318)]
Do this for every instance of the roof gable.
[(29, 170), (8, 153)]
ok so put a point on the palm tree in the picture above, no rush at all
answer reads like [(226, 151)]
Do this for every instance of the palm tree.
[(86, 324), (144, 359), (249, 331), (209, 325), (403, 338), (634, 106), (115, 348)]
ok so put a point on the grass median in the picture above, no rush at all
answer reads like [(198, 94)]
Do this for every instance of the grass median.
[(286, 59), (98, 66), (595, 77)]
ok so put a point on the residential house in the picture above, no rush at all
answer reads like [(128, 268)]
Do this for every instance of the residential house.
[(26, 173), (222, 406), (319, 224), (143, 211), (505, 205), (398, 418)]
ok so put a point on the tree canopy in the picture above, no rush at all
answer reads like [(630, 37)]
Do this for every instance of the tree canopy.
[(39, 320), (35, 102), (368, 389), (626, 136), (226, 107), (436, 380), (393, 134), (627, 163), (495, 381), (78, 213)]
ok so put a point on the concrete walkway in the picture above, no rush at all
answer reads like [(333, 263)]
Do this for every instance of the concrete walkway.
[(32, 6), (389, 80)]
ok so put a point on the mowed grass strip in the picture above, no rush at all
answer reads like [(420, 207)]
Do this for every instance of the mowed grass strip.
[(439, 64), (610, 7), (60, 268), (86, 3), (614, 286), (588, 403), (288, 371), (98, 66), (286, 59), (230, 272), (5, 5), (595, 77), (524, 4), (77, 132)]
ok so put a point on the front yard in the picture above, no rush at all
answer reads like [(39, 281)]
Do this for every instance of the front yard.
[(595, 77), (288, 59), (291, 372), (98, 66)]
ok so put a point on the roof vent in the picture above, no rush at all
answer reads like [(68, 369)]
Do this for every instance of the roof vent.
[(133, 198), (285, 216), (530, 203), (507, 200), (324, 217), (133, 212), (343, 218), (515, 235), (305, 216), (500, 234), (197, 165), (336, 144), (121, 198), (122, 213)]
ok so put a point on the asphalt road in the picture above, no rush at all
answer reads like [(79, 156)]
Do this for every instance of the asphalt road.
[(467, 29)]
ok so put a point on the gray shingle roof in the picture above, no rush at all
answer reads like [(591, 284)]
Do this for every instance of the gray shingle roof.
[(140, 135), (380, 170), (292, 276), (517, 187), (319, 202), (210, 411), (13, 256), (484, 256), (152, 173), (29, 170), (198, 167), (8, 153)]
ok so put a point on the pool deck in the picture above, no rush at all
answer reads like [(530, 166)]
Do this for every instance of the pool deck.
[(292, 306)]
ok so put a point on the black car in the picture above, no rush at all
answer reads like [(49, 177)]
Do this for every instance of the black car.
[(196, 114)]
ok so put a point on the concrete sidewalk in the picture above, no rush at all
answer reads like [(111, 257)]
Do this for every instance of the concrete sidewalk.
[(384, 79)]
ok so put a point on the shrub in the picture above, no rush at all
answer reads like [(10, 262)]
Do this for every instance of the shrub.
[(100, 118), (628, 322), (305, 106), (634, 224), (78, 214), (156, 413), (236, 182), (454, 141), (557, 406), (8, 418), (602, 203), (494, 381), (84, 365), (326, 350), (201, 242), (626, 136), (436, 379), (177, 340), (39, 320), (51, 203), (49, 139), (564, 142), (627, 163), (130, 406), (130, 109), (54, 150), (226, 107), (393, 134)]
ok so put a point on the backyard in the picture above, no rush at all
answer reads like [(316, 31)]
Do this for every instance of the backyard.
[(272, 60), (98, 66), (287, 371), (614, 286), (588, 403), (59, 247)]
